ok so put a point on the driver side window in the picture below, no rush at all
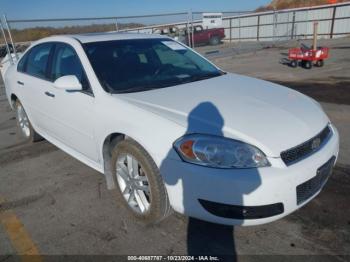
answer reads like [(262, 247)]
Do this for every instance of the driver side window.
[(66, 62)]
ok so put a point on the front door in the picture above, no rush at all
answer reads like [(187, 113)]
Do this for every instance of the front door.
[(72, 112)]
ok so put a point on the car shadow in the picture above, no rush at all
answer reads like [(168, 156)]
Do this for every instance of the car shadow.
[(204, 238), (285, 61)]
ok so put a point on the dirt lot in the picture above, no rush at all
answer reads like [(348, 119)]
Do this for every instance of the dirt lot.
[(54, 205)]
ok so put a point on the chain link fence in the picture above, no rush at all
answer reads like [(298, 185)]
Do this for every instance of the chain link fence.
[(334, 21)]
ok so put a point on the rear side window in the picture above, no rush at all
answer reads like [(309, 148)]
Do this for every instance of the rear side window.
[(37, 61), (22, 63)]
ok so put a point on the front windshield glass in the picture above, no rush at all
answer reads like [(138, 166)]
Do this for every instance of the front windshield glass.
[(124, 66)]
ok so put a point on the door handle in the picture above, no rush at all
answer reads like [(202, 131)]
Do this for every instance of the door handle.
[(49, 94), (20, 83)]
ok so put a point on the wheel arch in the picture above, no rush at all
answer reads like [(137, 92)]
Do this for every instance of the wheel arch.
[(109, 142), (214, 35), (106, 154), (13, 98)]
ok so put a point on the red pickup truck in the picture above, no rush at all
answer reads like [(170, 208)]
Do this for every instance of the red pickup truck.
[(211, 36)]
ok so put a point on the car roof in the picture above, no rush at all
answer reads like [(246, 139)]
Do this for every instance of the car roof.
[(107, 36)]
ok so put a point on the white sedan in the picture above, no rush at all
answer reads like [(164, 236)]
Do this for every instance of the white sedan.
[(170, 130)]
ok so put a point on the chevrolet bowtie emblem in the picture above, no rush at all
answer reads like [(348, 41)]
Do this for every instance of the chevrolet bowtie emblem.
[(316, 143)]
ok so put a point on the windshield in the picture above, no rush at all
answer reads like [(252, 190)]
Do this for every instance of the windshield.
[(124, 66)]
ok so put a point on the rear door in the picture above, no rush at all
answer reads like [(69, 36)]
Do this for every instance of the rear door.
[(32, 82), (72, 112)]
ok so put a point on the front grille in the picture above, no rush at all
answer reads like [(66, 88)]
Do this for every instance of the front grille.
[(309, 147), (312, 186)]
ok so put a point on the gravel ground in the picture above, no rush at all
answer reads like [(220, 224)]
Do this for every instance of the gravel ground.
[(66, 210)]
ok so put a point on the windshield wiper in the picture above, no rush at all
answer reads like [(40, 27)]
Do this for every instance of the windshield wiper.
[(106, 86), (195, 78), (177, 81), (139, 89)]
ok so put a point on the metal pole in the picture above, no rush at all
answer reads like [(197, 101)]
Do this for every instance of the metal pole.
[(9, 32), (258, 29), (239, 29), (192, 30), (333, 19), (293, 27), (116, 25), (230, 30), (6, 43), (315, 36), (274, 26), (188, 30)]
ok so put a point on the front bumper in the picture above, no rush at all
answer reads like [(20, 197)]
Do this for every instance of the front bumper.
[(188, 184)]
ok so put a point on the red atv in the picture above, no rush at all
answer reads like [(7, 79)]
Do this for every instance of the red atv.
[(308, 56)]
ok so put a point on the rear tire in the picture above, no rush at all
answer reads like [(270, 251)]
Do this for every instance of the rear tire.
[(319, 63), (142, 191), (215, 40), (24, 127), (307, 64)]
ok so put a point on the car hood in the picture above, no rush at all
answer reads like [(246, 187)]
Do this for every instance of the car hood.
[(269, 116)]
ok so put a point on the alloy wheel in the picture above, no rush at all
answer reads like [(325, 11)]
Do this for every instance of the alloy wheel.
[(23, 120), (133, 183)]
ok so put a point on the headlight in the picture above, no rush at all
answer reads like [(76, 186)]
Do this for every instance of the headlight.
[(219, 152)]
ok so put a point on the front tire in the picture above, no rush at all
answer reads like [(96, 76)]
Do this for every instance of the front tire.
[(139, 184), (24, 127), (294, 63)]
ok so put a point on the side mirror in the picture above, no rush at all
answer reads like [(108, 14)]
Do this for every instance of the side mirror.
[(68, 83)]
